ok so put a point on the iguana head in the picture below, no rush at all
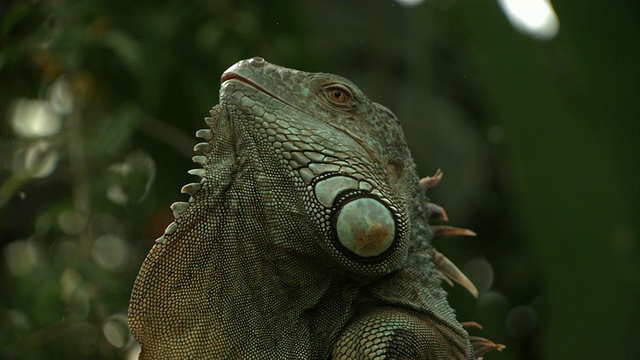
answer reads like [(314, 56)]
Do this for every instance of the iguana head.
[(344, 155)]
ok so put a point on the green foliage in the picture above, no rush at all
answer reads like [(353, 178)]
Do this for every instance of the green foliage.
[(87, 88)]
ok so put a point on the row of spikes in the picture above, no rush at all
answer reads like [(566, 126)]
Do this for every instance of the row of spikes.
[(448, 271), (179, 207)]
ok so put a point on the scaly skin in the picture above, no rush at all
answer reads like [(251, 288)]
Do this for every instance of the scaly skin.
[(307, 236)]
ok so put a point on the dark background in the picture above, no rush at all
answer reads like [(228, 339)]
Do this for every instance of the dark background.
[(538, 141)]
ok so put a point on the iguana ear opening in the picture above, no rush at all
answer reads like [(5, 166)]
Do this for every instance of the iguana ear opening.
[(394, 171)]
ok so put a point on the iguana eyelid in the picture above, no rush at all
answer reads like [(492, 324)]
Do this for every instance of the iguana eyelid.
[(348, 98)]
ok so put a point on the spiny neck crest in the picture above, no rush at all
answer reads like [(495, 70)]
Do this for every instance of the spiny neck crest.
[(178, 208)]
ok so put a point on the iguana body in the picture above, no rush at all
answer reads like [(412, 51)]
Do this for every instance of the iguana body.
[(306, 238)]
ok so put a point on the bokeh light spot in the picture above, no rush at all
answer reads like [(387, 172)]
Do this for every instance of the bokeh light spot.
[(521, 321), (71, 222), (110, 252), (116, 331), (34, 118), (61, 96), (536, 18), (21, 257), (38, 159), (480, 272)]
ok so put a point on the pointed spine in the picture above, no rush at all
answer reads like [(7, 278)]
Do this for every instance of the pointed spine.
[(204, 134), (199, 159), (197, 172), (450, 270), (178, 208), (171, 228), (437, 212), (430, 182), (203, 146), (441, 231), (190, 189)]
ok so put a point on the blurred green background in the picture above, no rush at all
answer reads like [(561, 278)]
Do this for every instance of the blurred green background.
[(538, 139)]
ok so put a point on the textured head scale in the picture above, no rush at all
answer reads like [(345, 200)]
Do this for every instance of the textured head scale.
[(345, 161)]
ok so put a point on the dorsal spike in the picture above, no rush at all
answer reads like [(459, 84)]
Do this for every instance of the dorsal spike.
[(178, 208), (171, 228), (437, 212), (203, 146), (204, 134), (444, 278), (199, 159), (191, 188), (448, 268), (161, 240), (429, 182), (471, 325), (441, 231), (481, 346), (209, 121), (197, 172)]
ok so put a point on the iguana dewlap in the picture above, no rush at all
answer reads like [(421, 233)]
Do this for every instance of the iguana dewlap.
[(306, 238)]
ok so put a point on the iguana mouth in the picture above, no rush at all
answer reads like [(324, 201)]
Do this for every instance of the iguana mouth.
[(231, 76), (228, 76)]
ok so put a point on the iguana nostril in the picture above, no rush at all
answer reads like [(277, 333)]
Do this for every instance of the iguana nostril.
[(256, 61), (365, 227)]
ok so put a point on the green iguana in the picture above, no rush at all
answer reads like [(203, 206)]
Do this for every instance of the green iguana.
[(306, 238)]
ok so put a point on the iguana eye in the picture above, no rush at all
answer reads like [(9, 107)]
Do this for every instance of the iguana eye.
[(339, 94)]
